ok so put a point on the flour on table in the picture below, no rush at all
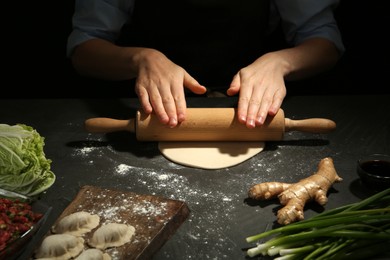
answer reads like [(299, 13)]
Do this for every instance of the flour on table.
[(123, 168)]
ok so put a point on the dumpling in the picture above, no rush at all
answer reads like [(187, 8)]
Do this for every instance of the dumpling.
[(60, 246), (93, 254), (111, 235), (76, 223)]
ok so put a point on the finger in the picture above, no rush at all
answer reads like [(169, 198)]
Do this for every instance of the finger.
[(158, 105), (234, 87), (180, 102), (144, 99), (276, 103), (193, 85), (255, 103), (243, 103), (270, 104), (263, 109), (169, 107)]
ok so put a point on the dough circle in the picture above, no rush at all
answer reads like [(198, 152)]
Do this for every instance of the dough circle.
[(210, 155)]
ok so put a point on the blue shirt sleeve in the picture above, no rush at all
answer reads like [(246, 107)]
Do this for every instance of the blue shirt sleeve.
[(305, 19), (300, 19), (98, 19)]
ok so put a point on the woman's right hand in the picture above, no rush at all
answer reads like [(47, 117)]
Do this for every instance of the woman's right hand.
[(160, 86)]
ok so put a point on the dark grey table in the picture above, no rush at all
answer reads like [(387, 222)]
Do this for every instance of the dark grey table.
[(221, 217)]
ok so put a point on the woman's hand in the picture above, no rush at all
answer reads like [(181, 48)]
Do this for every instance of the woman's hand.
[(160, 86), (262, 84), (262, 90)]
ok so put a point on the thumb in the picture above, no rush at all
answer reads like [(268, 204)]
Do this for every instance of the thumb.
[(193, 85), (234, 86)]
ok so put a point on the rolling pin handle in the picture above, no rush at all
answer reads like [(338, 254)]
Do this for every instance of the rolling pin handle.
[(109, 125), (311, 125)]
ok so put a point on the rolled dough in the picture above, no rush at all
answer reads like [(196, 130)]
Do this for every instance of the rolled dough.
[(210, 155)]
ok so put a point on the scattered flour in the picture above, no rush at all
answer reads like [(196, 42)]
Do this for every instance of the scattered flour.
[(212, 204), (90, 147), (85, 151), (123, 169), (127, 208)]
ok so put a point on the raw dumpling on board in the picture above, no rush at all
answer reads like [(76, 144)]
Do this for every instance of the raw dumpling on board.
[(76, 224), (60, 246), (111, 235), (93, 254)]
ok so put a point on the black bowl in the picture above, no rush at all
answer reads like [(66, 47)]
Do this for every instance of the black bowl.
[(374, 171)]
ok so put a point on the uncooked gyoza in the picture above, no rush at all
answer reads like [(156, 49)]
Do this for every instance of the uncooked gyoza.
[(93, 254), (111, 235), (77, 223), (60, 246)]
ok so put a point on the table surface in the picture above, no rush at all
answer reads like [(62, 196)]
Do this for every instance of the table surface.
[(221, 216)]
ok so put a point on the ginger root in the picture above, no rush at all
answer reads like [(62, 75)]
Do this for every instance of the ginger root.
[(294, 196)]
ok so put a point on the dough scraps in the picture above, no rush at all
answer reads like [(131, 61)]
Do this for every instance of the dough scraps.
[(210, 155)]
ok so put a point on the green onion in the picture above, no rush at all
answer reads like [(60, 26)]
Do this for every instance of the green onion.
[(355, 231)]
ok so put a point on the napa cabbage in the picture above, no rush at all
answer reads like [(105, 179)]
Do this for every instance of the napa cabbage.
[(24, 167)]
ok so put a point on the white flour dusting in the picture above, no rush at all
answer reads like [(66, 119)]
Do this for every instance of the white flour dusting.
[(90, 148), (127, 208), (85, 151), (123, 169), (213, 203)]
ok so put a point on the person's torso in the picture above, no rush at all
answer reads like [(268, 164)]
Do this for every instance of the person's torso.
[(210, 39)]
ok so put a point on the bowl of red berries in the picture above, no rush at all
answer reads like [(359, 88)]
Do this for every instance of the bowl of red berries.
[(20, 218)]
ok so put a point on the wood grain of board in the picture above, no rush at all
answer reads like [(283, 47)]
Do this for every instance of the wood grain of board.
[(155, 218)]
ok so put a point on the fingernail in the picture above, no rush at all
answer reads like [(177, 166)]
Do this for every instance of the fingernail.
[(173, 122), (181, 118), (251, 123), (260, 120)]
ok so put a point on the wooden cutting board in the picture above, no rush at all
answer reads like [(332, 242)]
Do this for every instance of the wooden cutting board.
[(154, 218)]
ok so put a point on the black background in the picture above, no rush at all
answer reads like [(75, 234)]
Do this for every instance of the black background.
[(35, 65)]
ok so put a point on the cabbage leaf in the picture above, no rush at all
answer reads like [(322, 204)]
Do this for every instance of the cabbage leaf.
[(24, 167)]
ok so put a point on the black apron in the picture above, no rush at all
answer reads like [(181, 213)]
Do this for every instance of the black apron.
[(210, 39)]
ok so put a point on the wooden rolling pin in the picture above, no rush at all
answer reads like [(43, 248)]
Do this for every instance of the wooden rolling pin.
[(208, 124)]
